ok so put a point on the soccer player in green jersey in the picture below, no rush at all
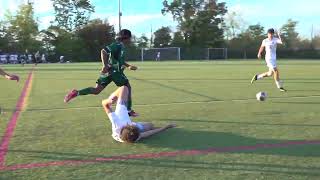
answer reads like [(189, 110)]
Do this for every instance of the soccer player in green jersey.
[(9, 76), (113, 60)]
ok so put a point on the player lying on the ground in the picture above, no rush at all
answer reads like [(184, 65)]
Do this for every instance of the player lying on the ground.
[(270, 45), (9, 76), (113, 60), (123, 129)]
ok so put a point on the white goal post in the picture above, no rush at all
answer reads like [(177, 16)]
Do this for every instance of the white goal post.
[(217, 53), (160, 54)]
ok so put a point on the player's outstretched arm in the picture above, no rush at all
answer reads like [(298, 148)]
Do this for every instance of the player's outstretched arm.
[(279, 36), (121, 93), (9, 76), (260, 51), (131, 67), (152, 132), (107, 105)]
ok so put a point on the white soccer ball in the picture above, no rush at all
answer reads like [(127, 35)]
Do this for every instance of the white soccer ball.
[(261, 96)]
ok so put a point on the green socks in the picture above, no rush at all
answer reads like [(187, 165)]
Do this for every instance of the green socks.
[(86, 91)]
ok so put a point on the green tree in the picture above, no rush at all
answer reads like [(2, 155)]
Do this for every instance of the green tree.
[(256, 32), (143, 41), (4, 41), (316, 42), (234, 24), (22, 29), (178, 40), (162, 37), (200, 21), (247, 42), (289, 34), (96, 35), (72, 14), (66, 44)]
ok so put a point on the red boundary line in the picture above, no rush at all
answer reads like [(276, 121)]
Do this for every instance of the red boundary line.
[(13, 121), (157, 155)]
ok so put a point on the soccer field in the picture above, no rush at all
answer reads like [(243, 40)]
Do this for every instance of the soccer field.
[(223, 131)]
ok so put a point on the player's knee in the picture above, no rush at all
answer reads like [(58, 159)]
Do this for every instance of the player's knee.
[(270, 73), (104, 102), (127, 84), (97, 91), (124, 89)]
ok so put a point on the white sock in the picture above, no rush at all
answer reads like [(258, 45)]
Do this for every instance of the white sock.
[(259, 77), (279, 84)]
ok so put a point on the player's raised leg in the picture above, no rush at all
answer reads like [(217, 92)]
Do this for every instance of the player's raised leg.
[(278, 81), (101, 84), (132, 113), (90, 90), (261, 76)]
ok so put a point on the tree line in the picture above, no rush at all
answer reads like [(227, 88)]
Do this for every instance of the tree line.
[(201, 24)]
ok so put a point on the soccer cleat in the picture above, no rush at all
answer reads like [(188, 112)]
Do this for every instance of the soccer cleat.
[(254, 78), (282, 89), (72, 94), (132, 113)]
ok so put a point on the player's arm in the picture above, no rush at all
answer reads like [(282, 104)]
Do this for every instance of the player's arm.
[(121, 93), (261, 50), (152, 132), (279, 38), (105, 54), (9, 76), (131, 67)]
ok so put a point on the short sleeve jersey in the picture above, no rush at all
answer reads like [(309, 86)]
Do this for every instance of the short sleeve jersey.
[(117, 53), (271, 48)]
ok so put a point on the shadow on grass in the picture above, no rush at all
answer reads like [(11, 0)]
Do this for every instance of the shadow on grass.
[(218, 166), (242, 123), (181, 139)]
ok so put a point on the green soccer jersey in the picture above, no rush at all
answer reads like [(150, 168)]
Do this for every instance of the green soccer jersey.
[(117, 55)]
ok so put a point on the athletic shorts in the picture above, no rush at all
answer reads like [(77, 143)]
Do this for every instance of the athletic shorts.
[(271, 64), (118, 78)]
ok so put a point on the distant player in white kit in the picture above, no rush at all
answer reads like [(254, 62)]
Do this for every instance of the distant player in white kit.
[(158, 56), (270, 45), (123, 129)]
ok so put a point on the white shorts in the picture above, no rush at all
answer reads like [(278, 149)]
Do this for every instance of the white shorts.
[(272, 64)]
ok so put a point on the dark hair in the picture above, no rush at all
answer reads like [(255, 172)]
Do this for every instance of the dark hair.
[(129, 133), (271, 31), (124, 34)]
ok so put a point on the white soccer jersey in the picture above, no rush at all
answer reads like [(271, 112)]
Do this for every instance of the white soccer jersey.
[(3, 58), (119, 119), (12, 57), (271, 48)]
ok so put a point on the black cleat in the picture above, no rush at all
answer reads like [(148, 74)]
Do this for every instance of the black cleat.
[(254, 78), (132, 113), (282, 89)]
